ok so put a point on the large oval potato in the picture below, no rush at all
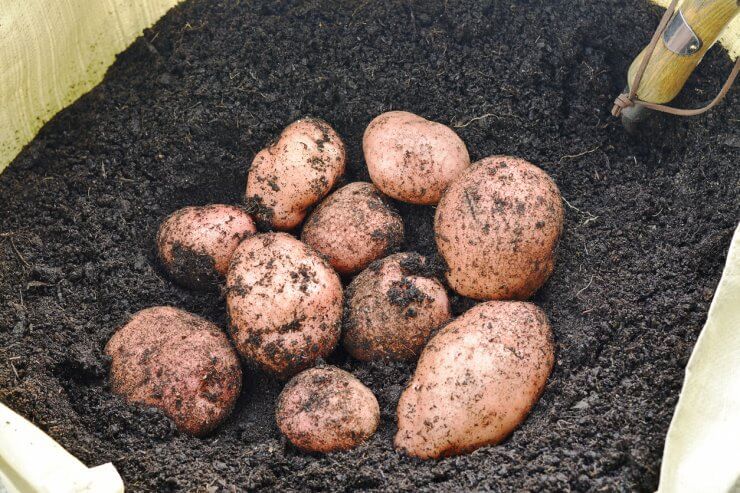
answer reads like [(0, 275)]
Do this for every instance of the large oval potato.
[(354, 226), (294, 173), (476, 380), (195, 244), (412, 159), (391, 309), (178, 362), (284, 302), (497, 227), (327, 410)]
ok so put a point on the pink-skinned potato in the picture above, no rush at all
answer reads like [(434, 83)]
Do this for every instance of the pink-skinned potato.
[(392, 307), (178, 362), (412, 159), (294, 173), (326, 409), (284, 302), (195, 244), (353, 227), (497, 227), (476, 380)]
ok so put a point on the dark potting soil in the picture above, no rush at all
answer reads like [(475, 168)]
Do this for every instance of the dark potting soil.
[(177, 122)]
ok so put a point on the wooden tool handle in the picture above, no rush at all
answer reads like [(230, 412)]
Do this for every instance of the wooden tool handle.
[(667, 72)]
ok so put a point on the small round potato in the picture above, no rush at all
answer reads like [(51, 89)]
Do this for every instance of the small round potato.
[(285, 303), (354, 226), (178, 362), (195, 244), (327, 410), (294, 173), (391, 308), (497, 227), (476, 380), (411, 158)]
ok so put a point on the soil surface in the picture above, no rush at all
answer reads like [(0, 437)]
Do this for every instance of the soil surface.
[(184, 110)]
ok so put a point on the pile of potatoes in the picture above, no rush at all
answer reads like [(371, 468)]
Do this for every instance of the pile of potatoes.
[(497, 225)]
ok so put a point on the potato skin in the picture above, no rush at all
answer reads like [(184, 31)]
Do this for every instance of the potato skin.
[(294, 173), (353, 227), (412, 159), (327, 410), (391, 308), (497, 227), (178, 362), (284, 302), (476, 380), (195, 244)]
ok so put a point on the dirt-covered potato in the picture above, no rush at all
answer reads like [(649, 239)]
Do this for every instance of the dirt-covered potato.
[(294, 173), (476, 380), (391, 308), (354, 226), (284, 302), (326, 410), (178, 362), (497, 227), (412, 159), (195, 244)]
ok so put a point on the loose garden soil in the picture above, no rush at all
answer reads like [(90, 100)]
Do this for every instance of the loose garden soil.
[(183, 111)]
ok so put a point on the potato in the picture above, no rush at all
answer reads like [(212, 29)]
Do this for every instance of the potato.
[(497, 227), (195, 244), (294, 173), (476, 380), (391, 308), (411, 158), (354, 226), (284, 302), (178, 362), (326, 410)]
